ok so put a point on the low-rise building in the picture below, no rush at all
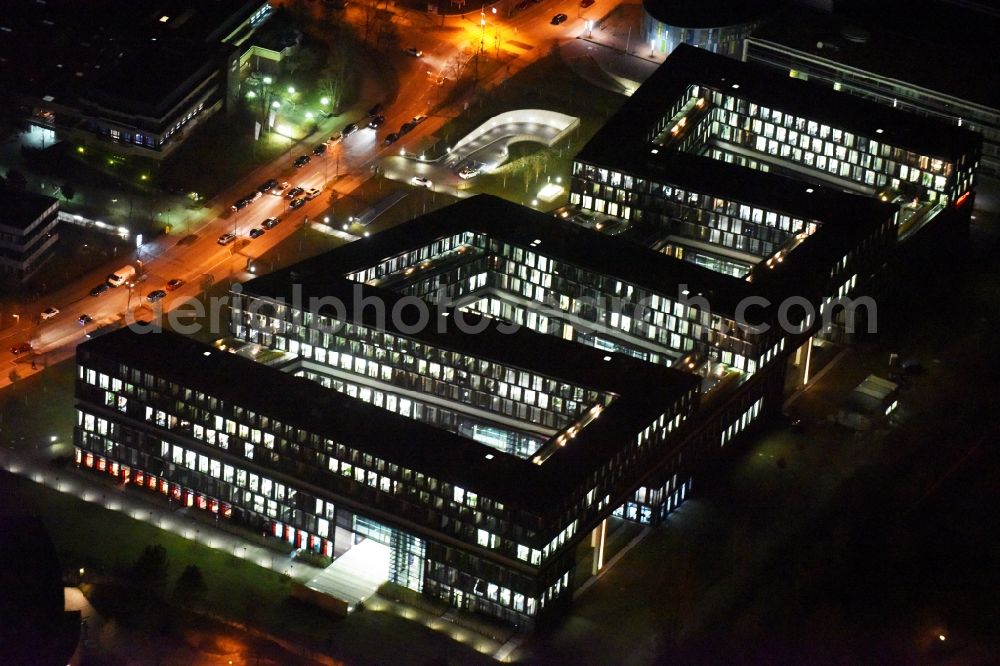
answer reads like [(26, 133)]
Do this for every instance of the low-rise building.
[(27, 232)]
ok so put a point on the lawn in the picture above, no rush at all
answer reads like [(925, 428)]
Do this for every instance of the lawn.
[(548, 83)]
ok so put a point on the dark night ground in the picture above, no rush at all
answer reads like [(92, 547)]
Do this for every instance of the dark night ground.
[(824, 547)]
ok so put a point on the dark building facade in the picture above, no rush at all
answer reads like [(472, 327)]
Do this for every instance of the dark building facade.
[(27, 232)]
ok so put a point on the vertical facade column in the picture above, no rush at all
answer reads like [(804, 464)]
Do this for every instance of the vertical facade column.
[(597, 539)]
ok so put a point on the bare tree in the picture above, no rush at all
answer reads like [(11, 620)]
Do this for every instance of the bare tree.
[(372, 16)]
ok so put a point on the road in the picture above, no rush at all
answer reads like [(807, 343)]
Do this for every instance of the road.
[(197, 257)]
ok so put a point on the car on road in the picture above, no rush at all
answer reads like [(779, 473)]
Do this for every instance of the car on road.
[(155, 295), (391, 138), (415, 52), (267, 185), (349, 130), (256, 232), (49, 313), (226, 239), (176, 283), (270, 223), (22, 348), (319, 149), (297, 203), (375, 110), (376, 121), (84, 319), (301, 161), (294, 192), (279, 188), (243, 202), (467, 172), (312, 193), (586, 3), (420, 180), (558, 18), (409, 125), (99, 289)]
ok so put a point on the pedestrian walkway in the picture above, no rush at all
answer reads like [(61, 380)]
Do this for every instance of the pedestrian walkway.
[(34, 466), (74, 482), (356, 575)]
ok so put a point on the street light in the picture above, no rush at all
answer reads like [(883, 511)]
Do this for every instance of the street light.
[(268, 80), (325, 101), (291, 90)]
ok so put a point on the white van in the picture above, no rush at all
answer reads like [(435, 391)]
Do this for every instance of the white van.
[(121, 276)]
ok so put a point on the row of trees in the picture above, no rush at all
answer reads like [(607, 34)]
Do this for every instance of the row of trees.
[(16, 181), (150, 571)]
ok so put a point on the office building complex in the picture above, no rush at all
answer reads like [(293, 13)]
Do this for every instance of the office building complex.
[(90, 82), (896, 63), (27, 232), (477, 391), (728, 164)]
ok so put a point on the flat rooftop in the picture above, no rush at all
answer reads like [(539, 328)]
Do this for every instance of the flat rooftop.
[(626, 139), (643, 392), (20, 209), (83, 40), (613, 256), (944, 48), (124, 84)]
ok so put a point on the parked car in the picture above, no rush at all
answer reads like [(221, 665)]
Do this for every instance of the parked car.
[(226, 239), (155, 295), (586, 3), (267, 185), (256, 232), (301, 161), (297, 203), (523, 4), (391, 138), (349, 130), (270, 223), (49, 312), (241, 203), (294, 192), (420, 180), (558, 18), (84, 319), (376, 121), (176, 283), (22, 348), (375, 110), (312, 193), (319, 149), (415, 52), (99, 289)]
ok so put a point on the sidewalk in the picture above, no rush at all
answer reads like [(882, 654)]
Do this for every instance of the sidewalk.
[(75, 482)]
